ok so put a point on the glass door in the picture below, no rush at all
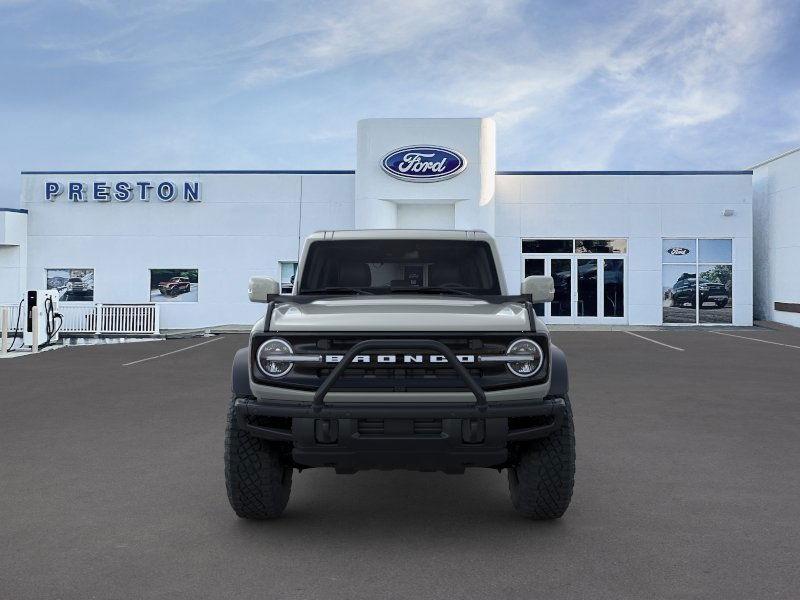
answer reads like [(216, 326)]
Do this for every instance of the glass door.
[(613, 288), (587, 292), (560, 268), (588, 289), (561, 309), (600, 293)]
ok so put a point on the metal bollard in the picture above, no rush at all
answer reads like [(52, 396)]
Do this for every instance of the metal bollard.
[(35, 341), (4, 330)]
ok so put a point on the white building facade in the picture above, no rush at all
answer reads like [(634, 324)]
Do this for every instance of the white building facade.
[(776, 197), (636, 248)]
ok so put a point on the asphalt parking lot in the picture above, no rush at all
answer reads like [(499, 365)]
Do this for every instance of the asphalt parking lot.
[(687, 485)]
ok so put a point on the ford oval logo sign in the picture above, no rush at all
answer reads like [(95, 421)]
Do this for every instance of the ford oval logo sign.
[(678, 251), (423, 163)]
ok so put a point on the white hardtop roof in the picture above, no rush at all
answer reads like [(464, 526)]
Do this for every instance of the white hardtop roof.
[(400, 234)]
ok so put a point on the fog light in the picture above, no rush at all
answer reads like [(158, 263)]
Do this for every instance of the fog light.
[(268, 357), (532, 361)]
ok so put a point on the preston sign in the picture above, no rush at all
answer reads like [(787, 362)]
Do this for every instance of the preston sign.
[(423, 163), (123, 191)]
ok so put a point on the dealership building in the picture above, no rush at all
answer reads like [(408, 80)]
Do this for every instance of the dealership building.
[(624, 247)]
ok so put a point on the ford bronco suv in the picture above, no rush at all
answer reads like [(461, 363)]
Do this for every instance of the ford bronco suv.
[(400, 350), (175, 286), (77, 287)]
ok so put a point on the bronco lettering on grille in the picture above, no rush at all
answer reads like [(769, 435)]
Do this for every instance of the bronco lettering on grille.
[(399, 358)]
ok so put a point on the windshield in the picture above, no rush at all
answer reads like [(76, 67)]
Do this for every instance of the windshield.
[(399, 266)]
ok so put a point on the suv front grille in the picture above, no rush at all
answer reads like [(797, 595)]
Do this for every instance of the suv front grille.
[(406, 371), (404, 376)]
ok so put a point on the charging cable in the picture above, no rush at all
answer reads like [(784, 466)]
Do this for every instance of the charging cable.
[(16, 328), (50, 316)]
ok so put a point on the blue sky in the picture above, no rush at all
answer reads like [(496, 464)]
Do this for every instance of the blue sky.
[(195, 84)]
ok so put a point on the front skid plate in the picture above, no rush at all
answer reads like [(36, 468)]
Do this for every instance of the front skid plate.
[(348, 445)]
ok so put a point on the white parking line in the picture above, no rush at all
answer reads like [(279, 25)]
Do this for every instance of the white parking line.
[(654, 341), (756, 340), (141, 360)]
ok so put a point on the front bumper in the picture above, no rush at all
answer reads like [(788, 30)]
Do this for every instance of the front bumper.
[(400, 436)]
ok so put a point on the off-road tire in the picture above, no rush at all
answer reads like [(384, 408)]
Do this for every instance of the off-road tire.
[(257, 480), (541, 481)]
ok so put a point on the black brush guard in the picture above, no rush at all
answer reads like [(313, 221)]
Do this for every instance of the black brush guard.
[(360, 407), (408, 344)]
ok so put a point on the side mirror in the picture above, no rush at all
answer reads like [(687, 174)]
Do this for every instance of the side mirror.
[(540, 287), (260, 288)]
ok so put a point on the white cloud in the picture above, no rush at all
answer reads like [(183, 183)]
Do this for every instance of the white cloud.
[(571, 86), (683, 65), (336, 34), (692, 69)]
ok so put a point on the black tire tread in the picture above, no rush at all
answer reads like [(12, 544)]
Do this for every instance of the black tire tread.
[(257, 481), (542, 480)]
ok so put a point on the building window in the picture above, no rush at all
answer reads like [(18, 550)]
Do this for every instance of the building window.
[(547, 246), (690, 299), (614, 246), (73, 285), (288, 271), (174, 285)]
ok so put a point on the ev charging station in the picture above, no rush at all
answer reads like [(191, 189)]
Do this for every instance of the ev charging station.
[(42, 321)]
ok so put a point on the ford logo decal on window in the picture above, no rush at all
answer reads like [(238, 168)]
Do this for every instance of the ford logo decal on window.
[(423, 163), (678, 251)]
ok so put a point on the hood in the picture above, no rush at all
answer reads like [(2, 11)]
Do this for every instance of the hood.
[(400, 313)]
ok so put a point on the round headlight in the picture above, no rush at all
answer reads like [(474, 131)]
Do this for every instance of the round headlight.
[(531, 364), (271, 367)]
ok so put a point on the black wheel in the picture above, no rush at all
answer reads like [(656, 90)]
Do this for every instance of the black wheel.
[(541, 481), (722, 304), (257, 479)]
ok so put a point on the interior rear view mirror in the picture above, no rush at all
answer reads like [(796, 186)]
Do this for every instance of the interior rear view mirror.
[(261, 288), (539, 287)]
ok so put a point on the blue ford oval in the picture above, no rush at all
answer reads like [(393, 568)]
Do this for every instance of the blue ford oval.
[(423, 163)]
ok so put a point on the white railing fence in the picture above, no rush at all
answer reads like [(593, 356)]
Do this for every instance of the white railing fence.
[(128, 318), (100, 318), (12, 316), (78, 318)]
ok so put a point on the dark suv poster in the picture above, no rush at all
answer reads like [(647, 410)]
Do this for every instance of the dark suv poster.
[(73, 285), (688, 298), (173, 285)]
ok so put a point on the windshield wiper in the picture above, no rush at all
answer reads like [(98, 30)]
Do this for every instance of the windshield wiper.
[(431, 290), (337, 289)]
